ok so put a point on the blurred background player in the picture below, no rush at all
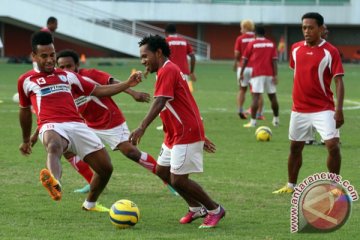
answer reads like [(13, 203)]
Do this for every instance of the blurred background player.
[(51, 25), (104, 117), (247, 35), (316, 63), (261, 52), (61, 129), (182, 150)]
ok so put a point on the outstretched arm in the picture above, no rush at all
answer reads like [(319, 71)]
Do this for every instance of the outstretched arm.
[(138, 96), (110, 90), (154, 111), (25, 119), (340, 92)]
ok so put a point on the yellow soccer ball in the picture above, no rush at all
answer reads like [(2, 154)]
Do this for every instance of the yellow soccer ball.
[(124, 213), (263, 134)]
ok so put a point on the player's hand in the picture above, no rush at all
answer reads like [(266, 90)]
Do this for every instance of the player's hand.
[(25, 148), (136, 135), (141, 96), (192, 77), (241, 78), (275, 80), (34, 138), (339, 118), (209, 146), (134, 79)]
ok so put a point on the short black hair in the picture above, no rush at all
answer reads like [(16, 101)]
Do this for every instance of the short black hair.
[(260, 30), (68, 53), (170, 28), (40, 38), (154, 43), (314, 15), (51, 20)]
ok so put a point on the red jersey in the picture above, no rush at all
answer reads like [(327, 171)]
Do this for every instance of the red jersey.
[(180, 116), (50, 94), (261, 53), (98, 113), (241, 43), (179, 49), (314, 68)]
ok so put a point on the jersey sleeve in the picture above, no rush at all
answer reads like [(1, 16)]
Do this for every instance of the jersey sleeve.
[(247, 53), (274, 53), (165, 84), (237, 46), (292, 60), (336, 67), (189, 49), (79, 85), (24, 97)]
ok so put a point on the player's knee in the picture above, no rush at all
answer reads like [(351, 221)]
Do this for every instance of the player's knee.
[(54, 147), (130, 151), (178, 181)]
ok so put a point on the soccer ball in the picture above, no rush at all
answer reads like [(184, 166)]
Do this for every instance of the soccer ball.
[(263, 134), (124, 214), (15, 98)]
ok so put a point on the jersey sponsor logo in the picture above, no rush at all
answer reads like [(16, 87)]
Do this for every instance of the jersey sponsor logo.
[(246, 40), (309, 53), (55, 89), (82, 100), (177, 43), (263, 45)]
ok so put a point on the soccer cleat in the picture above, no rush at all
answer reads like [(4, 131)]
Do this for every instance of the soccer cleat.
[(97, 208), (160, 128), (284, 189), (275, 123), (191, 216), (261, 117), (211, 220), (85, 189), (249, 125), (51, 184), (242, 115)]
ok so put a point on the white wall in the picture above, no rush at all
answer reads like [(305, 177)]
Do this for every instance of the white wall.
[(221, 13)]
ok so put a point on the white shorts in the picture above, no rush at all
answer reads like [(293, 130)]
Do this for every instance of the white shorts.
[(261, 84), (183, 158), (302, 126), (81, 140), (114, 136), (247, 76)]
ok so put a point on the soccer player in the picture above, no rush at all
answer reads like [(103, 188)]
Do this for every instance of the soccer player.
[(315, 62), (180, 49), (182, 150), (262, 54), (51, 25), (247, 35), (61, 129), (103, 116)]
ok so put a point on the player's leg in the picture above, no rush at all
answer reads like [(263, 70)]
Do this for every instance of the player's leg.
[(82, 168), (260, 111), (257, 85), (186, 159), (326, 126), (270, 88), (54, 144), (241, 94)]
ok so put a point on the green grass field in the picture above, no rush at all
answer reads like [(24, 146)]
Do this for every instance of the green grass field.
[(241, 175)]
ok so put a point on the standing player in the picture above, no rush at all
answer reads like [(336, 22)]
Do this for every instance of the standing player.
[(61, 129), (182, 150), (315, 62), (51, 25), (103, 116), (180, 49), (262, 53), (247, 35)]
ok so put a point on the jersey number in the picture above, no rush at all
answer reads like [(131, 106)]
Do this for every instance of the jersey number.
[(41, 81)]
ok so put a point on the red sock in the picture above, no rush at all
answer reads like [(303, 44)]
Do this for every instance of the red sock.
[(81, 167), (148, 162)]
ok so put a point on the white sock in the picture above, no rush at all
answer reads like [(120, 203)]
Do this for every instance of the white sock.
[(276, 119), (215, 211), (88, 204), (291, 185), (195, 209)]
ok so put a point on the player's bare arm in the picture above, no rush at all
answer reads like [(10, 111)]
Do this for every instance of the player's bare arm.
[(340, 92), (25, 118), (192, 67), (110, 90), (154, 111), (138, 96), (209, 146)]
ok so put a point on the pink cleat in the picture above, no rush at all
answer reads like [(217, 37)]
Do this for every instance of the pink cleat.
[(191, 216), (211, 220)]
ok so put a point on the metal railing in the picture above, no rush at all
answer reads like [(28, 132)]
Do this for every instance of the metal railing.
[(108, 20)]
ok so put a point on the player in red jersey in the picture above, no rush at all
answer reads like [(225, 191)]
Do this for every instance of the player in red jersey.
[(180, 49), (103, 116), (61, 129), (182, 149), (262, 54), (315, 62), (247, 35)]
